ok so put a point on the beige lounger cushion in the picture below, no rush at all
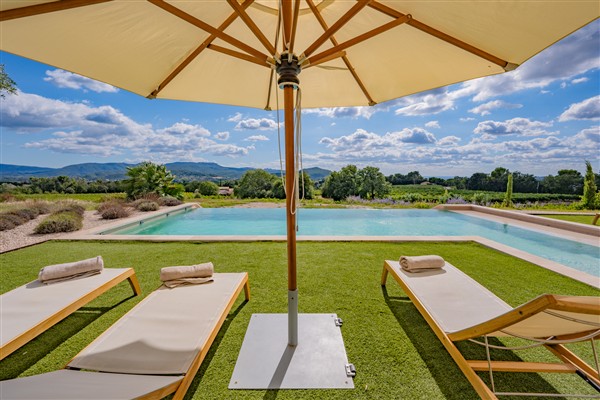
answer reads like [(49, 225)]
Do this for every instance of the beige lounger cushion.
[(154, 339), (458, 302), (27, 306), (455, 300), (83, 385)]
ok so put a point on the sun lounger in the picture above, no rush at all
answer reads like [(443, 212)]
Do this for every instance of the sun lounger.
[(458, 308), (29, 310), (152, 351)]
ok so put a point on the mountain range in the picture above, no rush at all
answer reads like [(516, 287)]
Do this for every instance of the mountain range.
[(183, 171)]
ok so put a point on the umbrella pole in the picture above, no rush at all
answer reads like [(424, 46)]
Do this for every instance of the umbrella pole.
[(290, 206)]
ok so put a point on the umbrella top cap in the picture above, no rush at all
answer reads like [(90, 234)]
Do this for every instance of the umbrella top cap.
[(288, 69)]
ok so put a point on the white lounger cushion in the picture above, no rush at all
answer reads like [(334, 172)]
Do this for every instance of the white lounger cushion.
[(455, 300), (77, 385), (163, 333), (29, 305)]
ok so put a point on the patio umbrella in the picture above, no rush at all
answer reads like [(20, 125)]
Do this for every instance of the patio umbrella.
[(340, 53)]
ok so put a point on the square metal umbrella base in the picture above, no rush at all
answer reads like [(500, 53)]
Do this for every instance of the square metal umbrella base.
[(266, 361)]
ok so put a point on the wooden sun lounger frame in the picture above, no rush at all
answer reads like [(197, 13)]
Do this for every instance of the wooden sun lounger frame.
[(42, 326), (571, 362), (180, 388)]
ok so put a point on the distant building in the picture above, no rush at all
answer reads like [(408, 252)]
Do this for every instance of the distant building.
[(225, 191)]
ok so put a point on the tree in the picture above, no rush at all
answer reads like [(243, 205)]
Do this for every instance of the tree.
[(148, 177), (524, 183), (498, 179), (372, 183), (415, 177), (208, 188), (477, 181), (340, 185), (509, 191), (256, 183), (588, 200), (7, 85), (305, 183)]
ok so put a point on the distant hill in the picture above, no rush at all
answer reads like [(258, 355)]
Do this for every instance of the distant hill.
[(184, 171)]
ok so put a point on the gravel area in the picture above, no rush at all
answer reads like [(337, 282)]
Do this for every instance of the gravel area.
[(23, 235)]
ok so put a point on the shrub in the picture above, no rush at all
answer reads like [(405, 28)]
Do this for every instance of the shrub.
[(169, 201), (61, 221), (114, 211), (480, 198), (42, 207), (66, 207), (25, 214), (147, 206), (111, 203), (145, 198), (8, 222)]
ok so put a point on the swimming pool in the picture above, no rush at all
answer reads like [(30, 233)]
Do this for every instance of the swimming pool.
[(371, 222)]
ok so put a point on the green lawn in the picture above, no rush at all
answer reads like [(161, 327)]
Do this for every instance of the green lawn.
[(582, 219), (395, 353)]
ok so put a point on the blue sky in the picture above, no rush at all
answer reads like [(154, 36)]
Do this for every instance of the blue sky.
[(538, 119)]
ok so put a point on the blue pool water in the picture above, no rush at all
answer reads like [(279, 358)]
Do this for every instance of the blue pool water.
[(369, 222)]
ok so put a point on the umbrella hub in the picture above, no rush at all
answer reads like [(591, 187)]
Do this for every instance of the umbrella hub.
[(288, 69)]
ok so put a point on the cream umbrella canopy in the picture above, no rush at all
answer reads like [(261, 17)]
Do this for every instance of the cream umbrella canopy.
[(340, 53)]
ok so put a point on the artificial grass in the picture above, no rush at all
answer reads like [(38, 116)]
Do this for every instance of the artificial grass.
[(582, 219), (396, 354)]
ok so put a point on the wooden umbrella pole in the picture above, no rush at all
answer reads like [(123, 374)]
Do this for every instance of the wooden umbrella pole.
[(290, 203)]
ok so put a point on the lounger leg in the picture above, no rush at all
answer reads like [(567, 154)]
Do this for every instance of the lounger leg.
[(135, 285), (569, 357), (247, 290), (384, 274)]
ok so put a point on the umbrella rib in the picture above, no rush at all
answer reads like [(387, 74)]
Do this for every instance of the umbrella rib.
[(294, 25), (208, 28), (240, 55), (45, 8), (440, 35), (344, 19), (250, 23), (196, 52), (333, 40), (316, 59), (286, 13)]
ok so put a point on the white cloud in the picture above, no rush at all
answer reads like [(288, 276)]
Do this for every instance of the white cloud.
[(486, 108), (427, 103), (105, 131), (588, 109), (579, 80), (222, 135), (263, 124), (341, 112), (363, 141), (257, 138), (433, 124), (236, 118), (65, 79), (466, 119), (516, 126), (590, 134), (448, 141)]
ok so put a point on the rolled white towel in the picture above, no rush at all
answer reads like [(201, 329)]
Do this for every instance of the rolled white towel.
[(78, 269), (419, 263), (188, 274)]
